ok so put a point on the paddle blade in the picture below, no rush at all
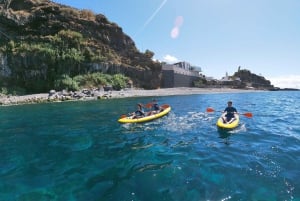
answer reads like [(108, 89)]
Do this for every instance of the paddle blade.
[(210, 109), (165, 106), (123, 116), (148, 105), (248, 114)]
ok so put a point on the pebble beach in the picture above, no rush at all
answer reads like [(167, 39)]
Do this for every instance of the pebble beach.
[(101, 94)]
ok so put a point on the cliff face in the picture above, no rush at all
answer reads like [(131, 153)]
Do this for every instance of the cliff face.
[(40, 40), (249, 79)]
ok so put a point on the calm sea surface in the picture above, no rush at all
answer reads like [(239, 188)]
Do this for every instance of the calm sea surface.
[(78, 151)]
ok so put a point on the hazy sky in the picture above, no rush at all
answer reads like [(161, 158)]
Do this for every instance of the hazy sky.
[(262, 36)]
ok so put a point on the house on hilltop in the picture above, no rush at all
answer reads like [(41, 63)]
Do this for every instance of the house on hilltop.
[(230, 81)]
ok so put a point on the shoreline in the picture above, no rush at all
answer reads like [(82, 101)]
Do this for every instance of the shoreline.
[(101, 94)]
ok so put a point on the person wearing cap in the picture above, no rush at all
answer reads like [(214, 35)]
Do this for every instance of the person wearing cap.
[(230, 112)]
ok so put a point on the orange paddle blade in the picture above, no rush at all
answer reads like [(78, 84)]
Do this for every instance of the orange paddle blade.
[(248, 114), (210, 109), (148, 105), (165, 106), (123, 116)]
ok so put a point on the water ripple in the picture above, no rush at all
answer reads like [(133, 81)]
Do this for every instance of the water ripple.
[(78, 151)]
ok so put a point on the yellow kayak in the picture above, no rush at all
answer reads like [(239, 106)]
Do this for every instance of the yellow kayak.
[(129, 119), (231, 125)]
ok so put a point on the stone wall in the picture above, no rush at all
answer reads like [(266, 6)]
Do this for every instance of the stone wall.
[(171, 79)]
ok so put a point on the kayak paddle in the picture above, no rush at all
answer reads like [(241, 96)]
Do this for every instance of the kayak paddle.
[(123, 116), (247, 114), (148, 105), (210, 109), (165, 106)]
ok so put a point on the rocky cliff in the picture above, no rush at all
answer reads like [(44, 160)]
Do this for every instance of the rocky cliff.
[(249, 79), (41, 40)]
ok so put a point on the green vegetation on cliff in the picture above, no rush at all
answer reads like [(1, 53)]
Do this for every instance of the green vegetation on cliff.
[(43, 43), (116, 81)]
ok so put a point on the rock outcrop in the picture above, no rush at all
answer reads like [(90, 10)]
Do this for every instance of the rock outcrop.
[(40, 40), (249, 79)]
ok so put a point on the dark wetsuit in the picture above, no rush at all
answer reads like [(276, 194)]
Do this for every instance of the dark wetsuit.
[(230, 112)]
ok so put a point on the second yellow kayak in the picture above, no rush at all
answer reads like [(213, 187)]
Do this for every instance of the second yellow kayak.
[(129, 119)]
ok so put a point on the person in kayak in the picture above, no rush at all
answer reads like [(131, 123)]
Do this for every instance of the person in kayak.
[(155, 107), (230, 111), (139, 112)]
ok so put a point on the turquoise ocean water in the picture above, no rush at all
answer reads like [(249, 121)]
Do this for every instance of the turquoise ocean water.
[(78, 151)]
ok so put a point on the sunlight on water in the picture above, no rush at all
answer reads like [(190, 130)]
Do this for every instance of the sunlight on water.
[(78, 151)]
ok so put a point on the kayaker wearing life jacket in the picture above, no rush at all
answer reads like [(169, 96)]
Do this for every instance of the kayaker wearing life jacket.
[(230, 111)]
